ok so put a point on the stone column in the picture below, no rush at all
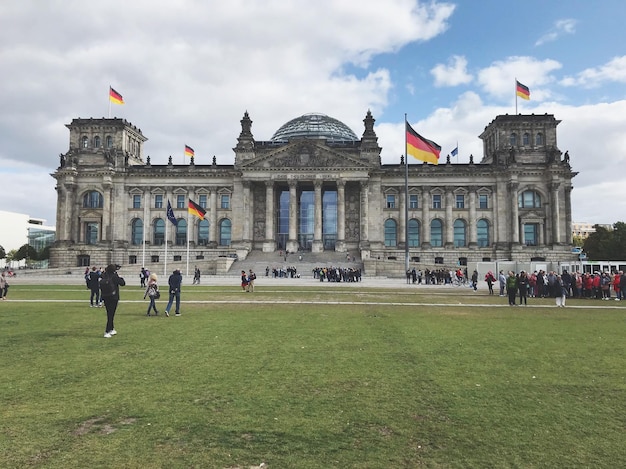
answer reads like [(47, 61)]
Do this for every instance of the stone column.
[(515, 233), (270, 242), (556, 222), (108, 215), (364, 211), (292, 243), (341, 216), (449, 223), (247, 212), (213, 241), (568, 215), (473, 236), (192, 221), (425, 227), (318, 244), (402, 218), (146, 220)]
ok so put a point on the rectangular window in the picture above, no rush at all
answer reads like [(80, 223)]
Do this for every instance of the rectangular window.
[(136, 201), (483, 201), (154, 259), (158, 201), (460, 201), (413, 201), (225, 201), (132, 259), (436, 200), (531, 234), (180, 201), (391, 201), (202, 200)]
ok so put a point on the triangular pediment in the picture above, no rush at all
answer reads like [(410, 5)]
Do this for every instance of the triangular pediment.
[(306, 154)]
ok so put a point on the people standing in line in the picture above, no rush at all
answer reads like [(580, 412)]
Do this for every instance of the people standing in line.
[(522, 287), (560, 292), (615, 281), (93, 281), (152, 292), (4, 286), (502, 280), (110, 283), (511, 287), (251, 279), (175, 282), (244, 281)]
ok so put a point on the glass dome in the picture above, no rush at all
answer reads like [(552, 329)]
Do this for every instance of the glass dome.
[(315, 125)]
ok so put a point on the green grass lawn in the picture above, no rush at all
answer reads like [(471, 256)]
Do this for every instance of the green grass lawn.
[(313, 377)]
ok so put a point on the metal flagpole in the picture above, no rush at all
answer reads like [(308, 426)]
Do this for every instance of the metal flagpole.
[(188, 225), (406, 201), (515, 91), (166, 229), (109, 101)]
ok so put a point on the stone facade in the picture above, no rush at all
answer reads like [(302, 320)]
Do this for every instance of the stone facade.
[(314, 187)]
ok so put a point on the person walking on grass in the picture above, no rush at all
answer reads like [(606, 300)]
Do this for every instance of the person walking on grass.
[(175, 281), (110, 284), (244, 281), (152, 292), (502, 281), (560, 292), (4, 286)]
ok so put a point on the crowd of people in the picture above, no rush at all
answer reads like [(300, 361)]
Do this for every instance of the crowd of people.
[(337, 274)]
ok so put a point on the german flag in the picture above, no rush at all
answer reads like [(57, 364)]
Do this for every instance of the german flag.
[(522, 90), (420, 148), (115, 97), (189, 151), (196, 210)]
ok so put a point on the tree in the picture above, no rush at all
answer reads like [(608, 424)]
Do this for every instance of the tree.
[(606, 244), (25, 252)]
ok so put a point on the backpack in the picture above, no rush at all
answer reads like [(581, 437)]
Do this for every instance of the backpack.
[(107, 285)]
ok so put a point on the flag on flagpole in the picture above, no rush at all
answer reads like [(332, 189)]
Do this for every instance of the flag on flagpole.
[(170, 214), (421, 148), (522, 90), (196, 210), (189, 151), (455, 151), (115, 97)]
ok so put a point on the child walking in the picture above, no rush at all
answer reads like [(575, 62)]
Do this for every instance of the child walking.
[(152, 292)]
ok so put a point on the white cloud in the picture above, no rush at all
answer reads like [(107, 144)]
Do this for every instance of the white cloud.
[(452, 74), (561, 27), (612, 71), (498, 79)]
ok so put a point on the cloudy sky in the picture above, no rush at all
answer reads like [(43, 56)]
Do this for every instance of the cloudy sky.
[(189, 69)]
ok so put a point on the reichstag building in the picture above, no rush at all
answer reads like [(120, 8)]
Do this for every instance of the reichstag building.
[(314, 187)]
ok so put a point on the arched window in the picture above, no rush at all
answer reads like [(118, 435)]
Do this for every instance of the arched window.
[(529, 199), (225, 232), (539, 139), (203, 232), (93, 199), (513, 139), (436, 233), (136, 236), (181, 232), (414, 233), (526, 139), (84, 141), (482, 233), (96, 142), (391, 239), (109, 141), (460, 233), (158, 232)]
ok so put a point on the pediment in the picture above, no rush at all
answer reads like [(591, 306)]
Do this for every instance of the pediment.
[(306, 154)]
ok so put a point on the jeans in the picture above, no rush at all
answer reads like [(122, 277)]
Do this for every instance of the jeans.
[(173, 295), (95, 295), (111, 307)]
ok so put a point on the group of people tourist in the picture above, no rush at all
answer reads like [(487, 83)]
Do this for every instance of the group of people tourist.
[(337, 274)]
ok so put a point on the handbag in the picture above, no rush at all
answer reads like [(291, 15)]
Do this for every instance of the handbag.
[(157, 295)]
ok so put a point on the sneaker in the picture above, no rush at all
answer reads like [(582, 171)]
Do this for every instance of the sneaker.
[(616, 299), (177, 314), (91, 306), (113, 332), (167, 313), (107, 335)]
